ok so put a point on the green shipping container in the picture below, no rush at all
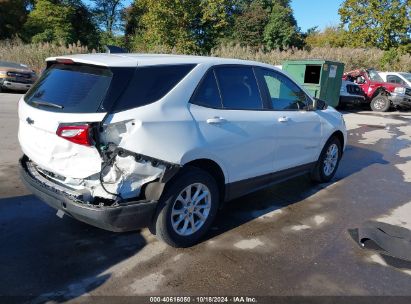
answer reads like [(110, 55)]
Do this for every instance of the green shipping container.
[(321, 78)]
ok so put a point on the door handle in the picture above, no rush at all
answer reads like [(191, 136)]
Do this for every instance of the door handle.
[(216, 120), (283, 119)]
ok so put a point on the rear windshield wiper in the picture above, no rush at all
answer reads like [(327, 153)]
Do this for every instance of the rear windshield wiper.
[(47, 104)]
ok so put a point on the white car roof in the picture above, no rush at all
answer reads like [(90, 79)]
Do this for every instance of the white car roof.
[(126, 60), (391, 73)]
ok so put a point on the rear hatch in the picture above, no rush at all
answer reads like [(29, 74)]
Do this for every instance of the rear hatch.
[(68, 101)]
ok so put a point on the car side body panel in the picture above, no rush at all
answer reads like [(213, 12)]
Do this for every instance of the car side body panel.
[(164, 124), (135, 152), (331, 121), (297, 140)]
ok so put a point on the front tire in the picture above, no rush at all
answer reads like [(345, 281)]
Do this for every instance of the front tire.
[(328, 162), (187, 208), (380, 103)]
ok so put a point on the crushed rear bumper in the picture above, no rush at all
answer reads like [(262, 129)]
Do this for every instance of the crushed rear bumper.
[(127, 216)]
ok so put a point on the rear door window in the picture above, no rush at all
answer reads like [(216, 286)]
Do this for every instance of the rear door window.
[(238, 87), (70, 89), (207, 94), (150, 84)]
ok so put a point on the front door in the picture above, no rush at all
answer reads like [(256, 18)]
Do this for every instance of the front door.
[(297, 131)]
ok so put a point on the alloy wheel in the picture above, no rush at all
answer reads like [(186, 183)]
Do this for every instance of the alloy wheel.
[(191, 209), (331, 159)]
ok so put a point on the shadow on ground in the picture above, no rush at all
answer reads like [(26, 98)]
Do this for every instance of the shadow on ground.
[(56, 259), (12, 92), (62, 259), (366, 110), (290, 192)]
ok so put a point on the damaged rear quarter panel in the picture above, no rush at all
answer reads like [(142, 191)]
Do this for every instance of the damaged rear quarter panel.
[(126, 176), (165, 129)]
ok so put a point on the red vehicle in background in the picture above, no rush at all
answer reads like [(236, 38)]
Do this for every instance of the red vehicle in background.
[(380, 94)]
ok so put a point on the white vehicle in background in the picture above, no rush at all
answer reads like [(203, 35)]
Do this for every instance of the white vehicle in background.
[(401, 78), (125, 141)]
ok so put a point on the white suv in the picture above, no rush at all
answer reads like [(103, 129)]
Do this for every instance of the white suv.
[(401, 78), (125, 141)]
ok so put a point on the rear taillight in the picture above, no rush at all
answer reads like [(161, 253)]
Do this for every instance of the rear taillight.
[(78, 134)]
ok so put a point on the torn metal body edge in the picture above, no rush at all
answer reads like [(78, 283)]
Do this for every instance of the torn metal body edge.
[(152, 190), (128, 216), (170, 168)]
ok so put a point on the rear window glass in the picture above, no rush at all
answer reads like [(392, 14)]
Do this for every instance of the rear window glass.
[(150, 84), (70, 89)]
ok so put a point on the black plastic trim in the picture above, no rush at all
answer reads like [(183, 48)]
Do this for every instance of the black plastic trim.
[(243, 187), (353, 99)]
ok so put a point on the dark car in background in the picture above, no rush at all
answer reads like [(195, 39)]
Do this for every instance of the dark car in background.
[(16, 77), (381, 95), (351, 94)]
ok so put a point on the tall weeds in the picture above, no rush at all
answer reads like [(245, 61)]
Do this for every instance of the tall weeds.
[(353, 58), (34, 55)]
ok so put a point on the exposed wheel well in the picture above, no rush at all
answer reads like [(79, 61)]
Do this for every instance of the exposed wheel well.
[(339, 135), (214, 170), (379, 91)]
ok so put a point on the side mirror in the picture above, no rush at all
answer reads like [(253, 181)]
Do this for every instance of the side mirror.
[(360, 80), (319, 104)]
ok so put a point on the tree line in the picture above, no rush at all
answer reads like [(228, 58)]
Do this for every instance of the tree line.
[(198, 26)]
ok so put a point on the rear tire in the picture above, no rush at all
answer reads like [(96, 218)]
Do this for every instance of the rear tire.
[(182, 219), (328, 162), (380, 103)]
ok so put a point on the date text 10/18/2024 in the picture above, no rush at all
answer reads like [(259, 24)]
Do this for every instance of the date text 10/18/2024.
[(203, 299)]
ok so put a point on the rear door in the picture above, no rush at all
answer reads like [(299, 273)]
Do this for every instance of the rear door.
[(235, 128), (296, 131), (65, 93)]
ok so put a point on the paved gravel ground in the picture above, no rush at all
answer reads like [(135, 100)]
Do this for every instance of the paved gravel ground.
[(291, 239)]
